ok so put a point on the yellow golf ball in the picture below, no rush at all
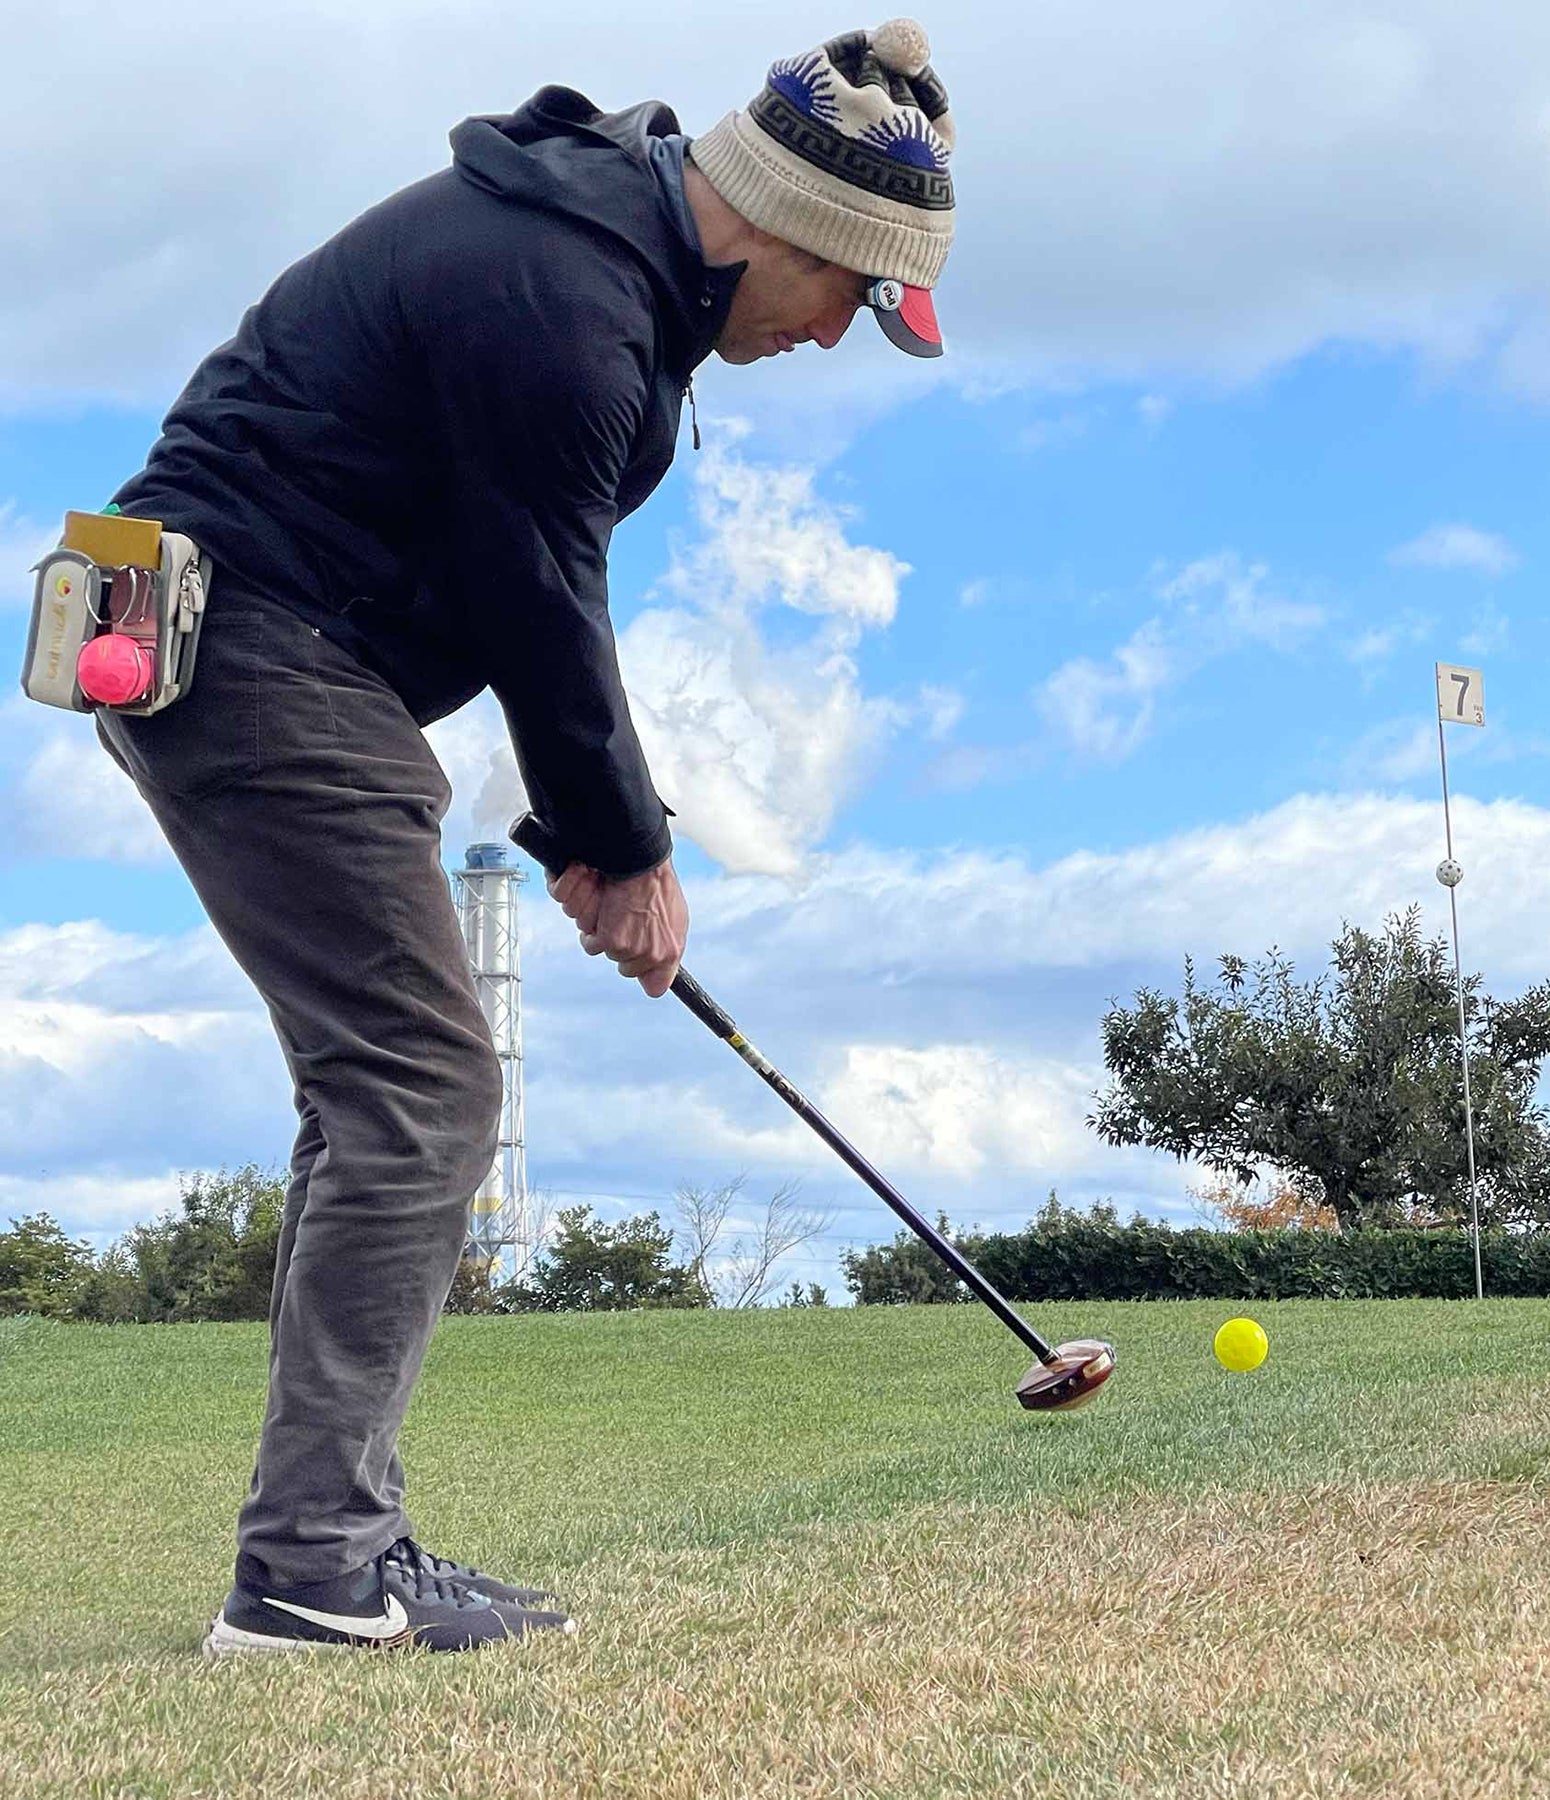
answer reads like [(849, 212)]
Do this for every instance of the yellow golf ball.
[(1241, 1345)]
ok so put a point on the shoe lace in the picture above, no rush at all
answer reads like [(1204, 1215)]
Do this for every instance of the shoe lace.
[(442, 1565), (417, 1567)]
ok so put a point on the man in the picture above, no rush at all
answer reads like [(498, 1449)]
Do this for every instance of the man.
[(405, 468)]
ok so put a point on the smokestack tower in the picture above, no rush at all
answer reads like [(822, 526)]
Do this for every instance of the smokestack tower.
[(485, 892)]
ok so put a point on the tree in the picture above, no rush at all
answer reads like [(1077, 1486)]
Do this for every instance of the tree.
[(904, 1272), (1277, 1205), (110, 1293), (746, 1268), (223, 1256), (41, 1270), (811, 1295), (587, 1266), (1348, 1085), (472, 1290), (474, 1286), (213, 1259)]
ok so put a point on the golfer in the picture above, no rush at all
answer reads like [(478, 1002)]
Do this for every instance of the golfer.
[(405, 468)]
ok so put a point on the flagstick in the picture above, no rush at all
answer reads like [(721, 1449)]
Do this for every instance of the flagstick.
[(1458, 976)]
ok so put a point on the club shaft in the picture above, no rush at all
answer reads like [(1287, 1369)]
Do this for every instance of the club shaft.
[(689, 991)]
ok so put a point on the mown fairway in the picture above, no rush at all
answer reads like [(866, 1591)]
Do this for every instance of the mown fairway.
[(823, 1554)]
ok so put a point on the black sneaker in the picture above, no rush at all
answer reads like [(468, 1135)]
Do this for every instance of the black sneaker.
[(391, 1603), (443, 1567)]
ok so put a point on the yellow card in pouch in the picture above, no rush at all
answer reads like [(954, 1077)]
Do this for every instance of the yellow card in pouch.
[(112, 539)]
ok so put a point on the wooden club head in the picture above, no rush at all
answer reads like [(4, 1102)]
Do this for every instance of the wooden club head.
[(1080, 1368)]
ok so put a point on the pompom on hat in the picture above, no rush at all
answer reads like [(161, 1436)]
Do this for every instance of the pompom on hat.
[(845, 153)]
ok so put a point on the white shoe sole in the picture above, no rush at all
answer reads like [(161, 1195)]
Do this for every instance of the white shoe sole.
[(231, 1640)]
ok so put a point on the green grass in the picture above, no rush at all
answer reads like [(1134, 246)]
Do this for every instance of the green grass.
[(822, 1553)]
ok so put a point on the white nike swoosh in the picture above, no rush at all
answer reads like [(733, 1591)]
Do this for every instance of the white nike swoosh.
[(390, 1624)]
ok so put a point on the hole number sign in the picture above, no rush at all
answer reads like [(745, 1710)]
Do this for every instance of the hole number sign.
[(1460, 695)]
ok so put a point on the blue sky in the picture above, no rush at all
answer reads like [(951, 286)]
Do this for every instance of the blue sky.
[(1107, 642)]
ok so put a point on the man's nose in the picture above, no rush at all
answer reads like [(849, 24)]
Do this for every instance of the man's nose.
[(828, 331)]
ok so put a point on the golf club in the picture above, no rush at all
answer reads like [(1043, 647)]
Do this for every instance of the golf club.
[(1066, 1376)]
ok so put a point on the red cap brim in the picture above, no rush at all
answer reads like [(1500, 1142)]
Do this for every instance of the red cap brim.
[(913, 326)]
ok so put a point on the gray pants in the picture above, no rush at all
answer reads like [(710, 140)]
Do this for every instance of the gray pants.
[(305, 806)]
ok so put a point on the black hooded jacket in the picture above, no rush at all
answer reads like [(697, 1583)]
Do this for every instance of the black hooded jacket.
[(422, 435)]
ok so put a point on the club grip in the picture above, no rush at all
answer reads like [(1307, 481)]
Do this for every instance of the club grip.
[(702, 1006)]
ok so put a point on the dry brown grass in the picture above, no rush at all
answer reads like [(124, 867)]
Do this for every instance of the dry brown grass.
[(1504, 1412), (1346, 1641)]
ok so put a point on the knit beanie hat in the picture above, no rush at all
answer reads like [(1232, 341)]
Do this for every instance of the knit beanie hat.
[(845, 154)]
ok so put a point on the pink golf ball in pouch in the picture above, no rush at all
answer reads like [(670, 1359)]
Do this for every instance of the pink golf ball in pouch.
[(114, 670)]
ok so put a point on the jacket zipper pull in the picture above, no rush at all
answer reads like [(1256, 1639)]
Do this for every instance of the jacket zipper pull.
[(694, 417)]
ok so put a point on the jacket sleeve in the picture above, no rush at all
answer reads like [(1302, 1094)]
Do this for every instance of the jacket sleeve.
[(539, 378)]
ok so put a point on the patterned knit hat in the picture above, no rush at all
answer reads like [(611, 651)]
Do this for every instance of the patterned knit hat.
[(844, 154)]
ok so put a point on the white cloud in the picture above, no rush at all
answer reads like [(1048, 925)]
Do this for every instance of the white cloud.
[(754, 745), (1243, 612), (1287, 875), (1488, 633), (966, 766), (82, 1085), (1399, 751), (65, 796), (1170, 178), (1380, 642), (940, 709), (955, 1108), (1105, 711), (767, 536), (1214, 606), (755, 749), (84, 963), (1372, 646), (115, 1046), (1059, 428), (1457, 547), (1522, 359), (73, 1037), (755, 740), (23, 542), (99, 1206), (668, 1122)]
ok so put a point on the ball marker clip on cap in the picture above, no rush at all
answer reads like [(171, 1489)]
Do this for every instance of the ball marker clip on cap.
[(907, 316)]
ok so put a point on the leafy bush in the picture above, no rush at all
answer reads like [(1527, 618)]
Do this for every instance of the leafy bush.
[(905, 1272), (588, 1266), (1067, 1255), (41, 1270), (213, 1259)]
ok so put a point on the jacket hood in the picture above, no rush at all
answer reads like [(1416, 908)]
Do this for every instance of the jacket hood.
[(561, 152)]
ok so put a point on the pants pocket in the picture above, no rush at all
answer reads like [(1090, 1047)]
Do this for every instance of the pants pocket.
[(207, 739)]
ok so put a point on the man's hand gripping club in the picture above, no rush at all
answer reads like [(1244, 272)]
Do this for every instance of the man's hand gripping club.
[(640, 923)]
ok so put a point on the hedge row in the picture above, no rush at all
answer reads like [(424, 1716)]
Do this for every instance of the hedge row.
[(1076, 1258)]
